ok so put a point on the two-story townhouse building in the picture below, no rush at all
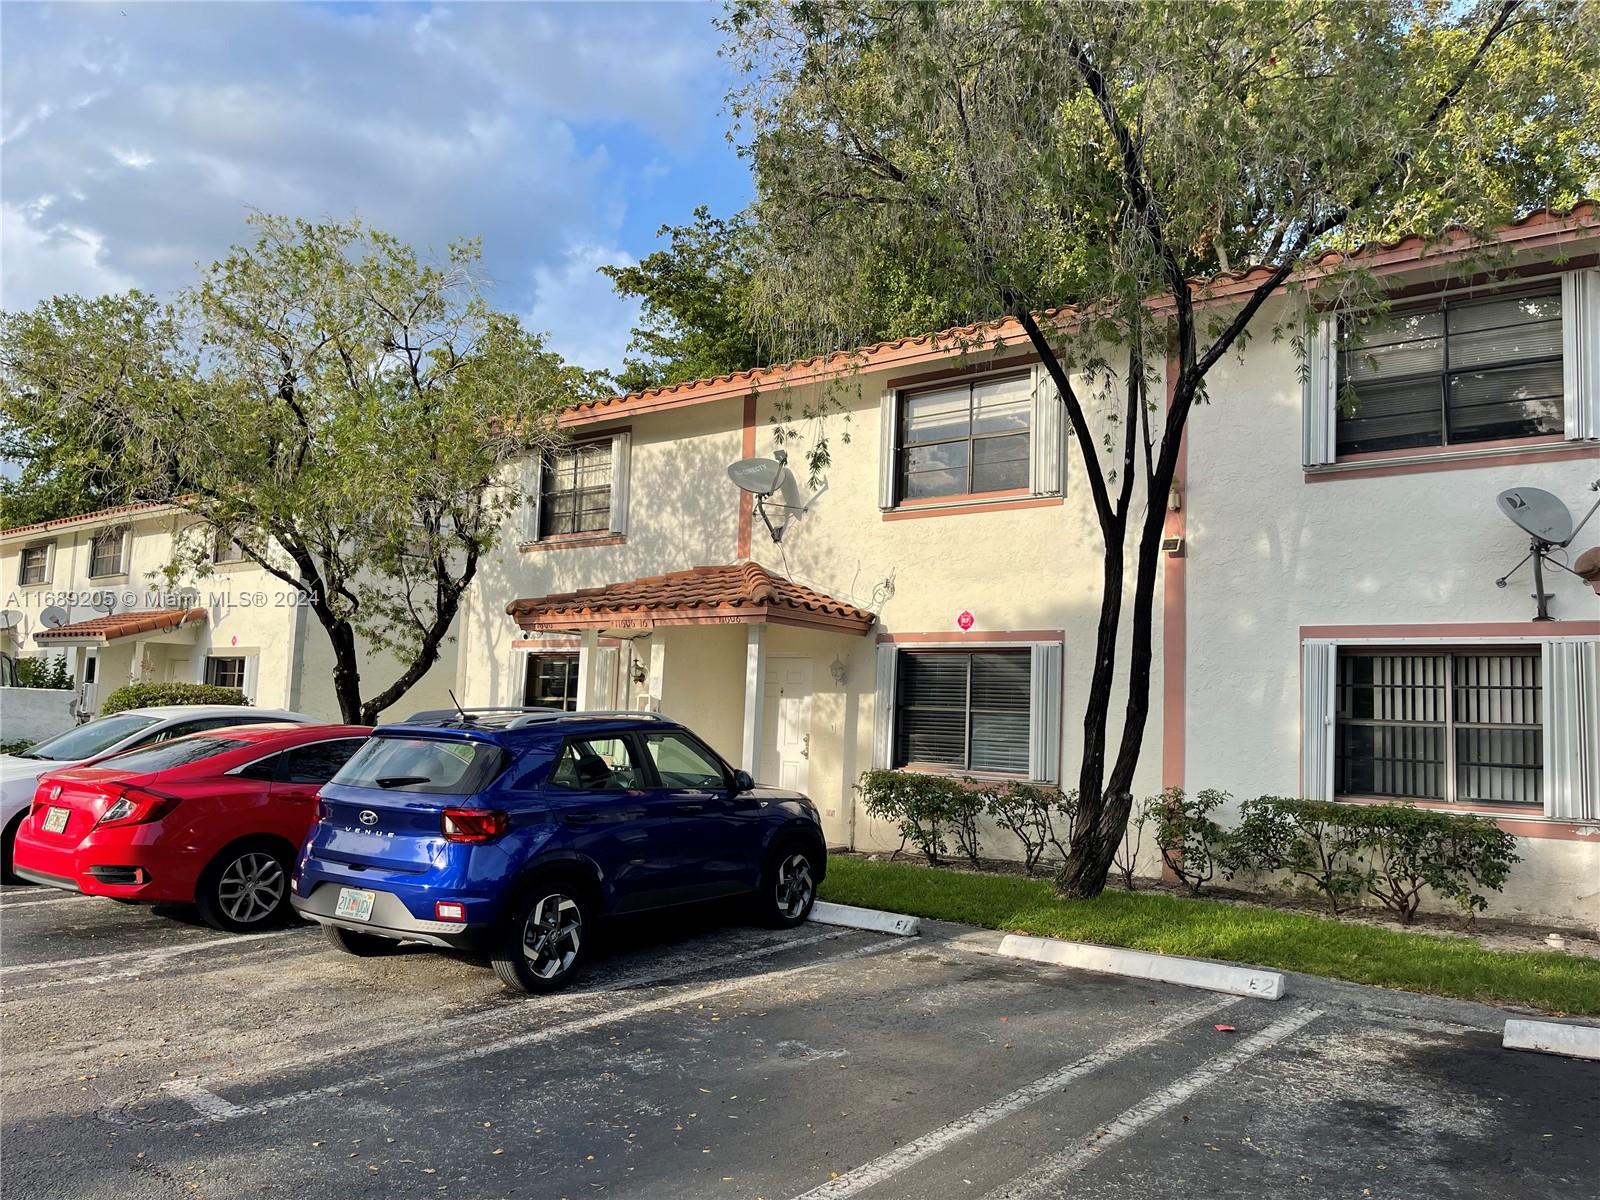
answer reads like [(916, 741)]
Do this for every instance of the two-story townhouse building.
[(93, 587), (1329, 620)]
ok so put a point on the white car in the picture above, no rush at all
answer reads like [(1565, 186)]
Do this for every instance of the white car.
[(19, 773)]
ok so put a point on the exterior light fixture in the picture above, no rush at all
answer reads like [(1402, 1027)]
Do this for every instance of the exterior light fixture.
[(837, 670)]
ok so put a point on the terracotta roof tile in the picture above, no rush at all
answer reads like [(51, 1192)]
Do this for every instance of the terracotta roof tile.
[(121, 625), (77, 518), (738, 593), (823, 366)]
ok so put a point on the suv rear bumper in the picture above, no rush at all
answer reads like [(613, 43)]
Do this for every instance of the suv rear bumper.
[(390, 918)]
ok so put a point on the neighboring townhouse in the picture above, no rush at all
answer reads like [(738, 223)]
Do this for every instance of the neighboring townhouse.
[(1328, 621), (92, 587)]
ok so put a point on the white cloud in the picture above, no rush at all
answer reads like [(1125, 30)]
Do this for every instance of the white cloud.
[(138, 138), (576, 305), (39, 259)]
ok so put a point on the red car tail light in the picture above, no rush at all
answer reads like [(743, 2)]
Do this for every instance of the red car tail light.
[(472, 824), (136, 806), (449, 910)]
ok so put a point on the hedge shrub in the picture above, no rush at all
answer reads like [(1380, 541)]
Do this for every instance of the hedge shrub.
[(148, 695), (45, 672), (1192, 844), (1392, 852), (1039, 817), (922, 807)]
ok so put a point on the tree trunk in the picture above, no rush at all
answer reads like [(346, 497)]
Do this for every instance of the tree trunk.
[(346, 671)]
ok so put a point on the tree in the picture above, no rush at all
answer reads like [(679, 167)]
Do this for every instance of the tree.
[(696, 319), (1119, 156), (342, 409), (110, 347)]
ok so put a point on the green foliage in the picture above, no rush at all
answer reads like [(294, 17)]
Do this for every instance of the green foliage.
[(71, 354), (1284, 940), (16, 747), (1039, 817), (1453, 854), (347, 410), (695, 318), (1192, 844), (920, 806), (1393, 852), (44, 672), (150, 695), (1313, 840)]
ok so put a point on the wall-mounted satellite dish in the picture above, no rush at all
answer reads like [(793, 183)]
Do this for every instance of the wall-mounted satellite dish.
[(53, 617), (765, 478), (10, 619), (105, 602), (1538, 513), (1547, 521)]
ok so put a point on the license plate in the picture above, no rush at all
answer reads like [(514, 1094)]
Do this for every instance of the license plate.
[(354, 904), (55, 819)]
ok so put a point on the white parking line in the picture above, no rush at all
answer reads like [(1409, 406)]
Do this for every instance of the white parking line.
[(1049, 1177), (142, 957), (8, 905), (891, 1164), (214, 1108)]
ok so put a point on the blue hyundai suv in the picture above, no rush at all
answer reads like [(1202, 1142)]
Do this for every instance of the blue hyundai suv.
[(513, 831)]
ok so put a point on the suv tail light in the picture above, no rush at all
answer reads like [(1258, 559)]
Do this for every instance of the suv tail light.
[(137, 806), (472, 824)]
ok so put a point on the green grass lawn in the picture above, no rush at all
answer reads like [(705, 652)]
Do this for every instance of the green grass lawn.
[(1166, 924)]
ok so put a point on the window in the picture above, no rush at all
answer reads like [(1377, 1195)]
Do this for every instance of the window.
[(106, 553), (965, 439), (968, 711), (1461, 726), (433, 766), (551, 681), (575, 489), (681, 763), (91, 668), (597, 765), (225, 550), (35, 566), (1465, 371), (225, 672), (91, 740), (168, 754), (318, 762)]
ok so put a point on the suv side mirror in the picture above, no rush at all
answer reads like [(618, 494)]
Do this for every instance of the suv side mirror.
[(742, 782)]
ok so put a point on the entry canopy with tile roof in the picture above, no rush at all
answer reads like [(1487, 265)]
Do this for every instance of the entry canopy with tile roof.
[(100, 630), (735, 594)]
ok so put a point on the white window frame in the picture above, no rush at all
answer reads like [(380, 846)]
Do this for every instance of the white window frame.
[(1046, 681), (1047, 456), (1570, 674), (225, 549), (1580, 367), (49, 549)]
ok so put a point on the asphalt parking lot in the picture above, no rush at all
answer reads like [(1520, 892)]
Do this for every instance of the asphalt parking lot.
[(147, 1056)]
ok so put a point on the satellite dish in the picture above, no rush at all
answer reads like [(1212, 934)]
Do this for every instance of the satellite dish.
[(10, 619), (105, 602), (53, 617), (758, 476), (1548, 523), (764, 478), (1538, 513)]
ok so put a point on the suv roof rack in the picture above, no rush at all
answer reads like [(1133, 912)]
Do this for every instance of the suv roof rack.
[(526, 715), (558, 714), (449, 714)]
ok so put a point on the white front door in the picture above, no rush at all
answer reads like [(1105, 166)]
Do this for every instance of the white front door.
[(786, 724)]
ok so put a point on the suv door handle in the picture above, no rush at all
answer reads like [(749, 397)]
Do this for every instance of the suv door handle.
[(579, 818)]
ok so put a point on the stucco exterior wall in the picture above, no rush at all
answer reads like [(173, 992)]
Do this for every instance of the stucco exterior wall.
[(1271, 550), (249, 613)]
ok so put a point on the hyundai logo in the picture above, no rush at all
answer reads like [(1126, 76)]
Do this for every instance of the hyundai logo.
[(368, 817)]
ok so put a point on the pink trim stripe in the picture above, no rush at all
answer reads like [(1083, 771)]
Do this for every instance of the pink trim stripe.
[(955, 636)]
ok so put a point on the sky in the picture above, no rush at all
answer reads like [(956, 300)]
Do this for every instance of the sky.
[(135, 138)]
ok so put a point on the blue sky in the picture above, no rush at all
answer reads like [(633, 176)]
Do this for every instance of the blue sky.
[(135, 138)]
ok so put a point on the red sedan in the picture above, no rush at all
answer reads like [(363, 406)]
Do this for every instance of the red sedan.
[(214, 819)]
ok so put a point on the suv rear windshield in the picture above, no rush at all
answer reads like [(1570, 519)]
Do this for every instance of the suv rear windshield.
[(433, 765)]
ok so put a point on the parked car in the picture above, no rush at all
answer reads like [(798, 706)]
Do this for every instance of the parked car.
[(514, 831), (128, 730), (212, 819)]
